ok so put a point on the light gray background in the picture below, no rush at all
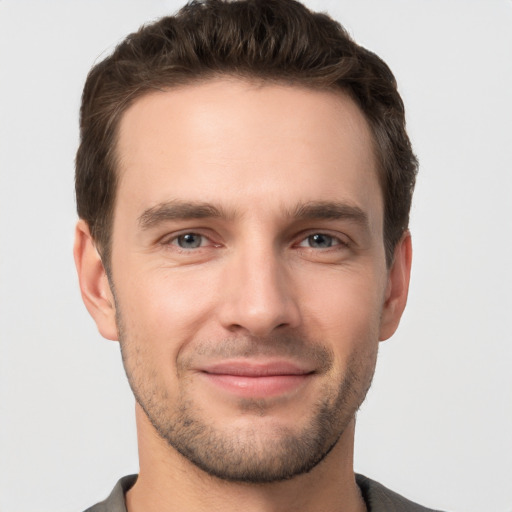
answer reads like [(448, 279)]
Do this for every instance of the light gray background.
[(437, 425)]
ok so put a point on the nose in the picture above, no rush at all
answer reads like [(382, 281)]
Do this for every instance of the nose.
[(258, 295)]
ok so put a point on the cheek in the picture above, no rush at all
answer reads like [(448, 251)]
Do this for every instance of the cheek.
[(343, 308), (158, 316), (164, 308)]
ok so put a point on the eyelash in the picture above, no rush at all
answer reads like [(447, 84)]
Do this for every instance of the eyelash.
[(175, 240), (336, 241)]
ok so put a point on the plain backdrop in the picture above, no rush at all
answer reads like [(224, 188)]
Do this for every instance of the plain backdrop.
[(437, 424)]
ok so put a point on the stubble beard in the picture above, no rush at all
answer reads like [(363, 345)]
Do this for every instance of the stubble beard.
[(250, 454)]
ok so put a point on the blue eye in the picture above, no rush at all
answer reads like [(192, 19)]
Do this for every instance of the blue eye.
[(321, 241), (189, 241)]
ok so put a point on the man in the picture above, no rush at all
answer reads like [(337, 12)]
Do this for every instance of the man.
[(243, 184)]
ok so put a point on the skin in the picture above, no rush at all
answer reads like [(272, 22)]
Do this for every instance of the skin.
[(277, 187)]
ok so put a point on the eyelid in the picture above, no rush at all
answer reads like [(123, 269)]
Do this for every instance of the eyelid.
[(170, 239), (342, 239), (174, 241)]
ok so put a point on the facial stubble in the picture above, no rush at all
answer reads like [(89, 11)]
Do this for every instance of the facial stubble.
[(249, 454)]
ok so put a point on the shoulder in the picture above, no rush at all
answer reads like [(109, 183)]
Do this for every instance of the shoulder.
[(381, 499), (377, 497), (115, 502)]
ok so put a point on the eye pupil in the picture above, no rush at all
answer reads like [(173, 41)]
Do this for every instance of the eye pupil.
[(189, 241), (320, 241)]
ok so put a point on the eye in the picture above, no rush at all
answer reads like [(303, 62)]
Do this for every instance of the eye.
[(189, 241), (320, 241)]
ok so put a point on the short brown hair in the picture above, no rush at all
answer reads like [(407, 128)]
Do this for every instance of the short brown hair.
[(273, 40)]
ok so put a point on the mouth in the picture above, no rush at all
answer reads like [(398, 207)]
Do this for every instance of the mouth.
[(257, 380)]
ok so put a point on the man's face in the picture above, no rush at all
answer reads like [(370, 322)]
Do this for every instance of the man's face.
[(248, 271)]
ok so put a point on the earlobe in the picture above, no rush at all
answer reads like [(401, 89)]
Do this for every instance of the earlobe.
[(397, 288), (94, 285)]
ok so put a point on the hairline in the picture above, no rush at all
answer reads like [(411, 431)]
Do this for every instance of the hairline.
[(114, 158)]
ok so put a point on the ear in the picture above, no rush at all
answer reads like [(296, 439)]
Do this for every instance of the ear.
[(397, 288), (94, 285)]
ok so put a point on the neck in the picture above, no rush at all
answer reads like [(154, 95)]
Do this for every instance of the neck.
[(169, 482)]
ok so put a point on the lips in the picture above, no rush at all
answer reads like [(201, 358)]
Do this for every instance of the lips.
[(257, 380)]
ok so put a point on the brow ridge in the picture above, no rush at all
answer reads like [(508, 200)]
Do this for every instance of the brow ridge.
[(313, 210), (178, 210), (330, 210)]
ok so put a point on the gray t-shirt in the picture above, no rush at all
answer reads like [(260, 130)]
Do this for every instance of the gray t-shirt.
[(377, 498)]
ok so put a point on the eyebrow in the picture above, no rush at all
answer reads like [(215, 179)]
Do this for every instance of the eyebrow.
[(330, 210), (184, 210), (178, 210)]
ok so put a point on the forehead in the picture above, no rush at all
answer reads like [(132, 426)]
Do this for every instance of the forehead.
[(246, 145)]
